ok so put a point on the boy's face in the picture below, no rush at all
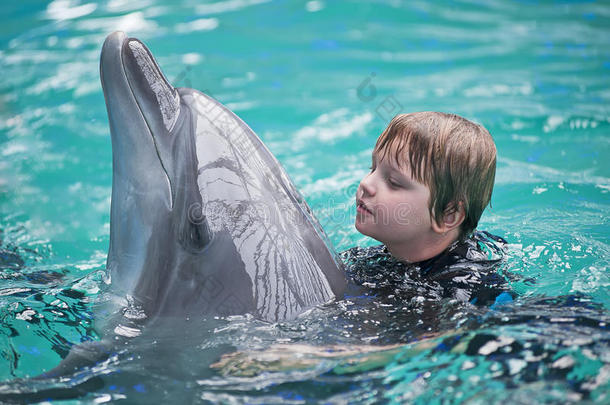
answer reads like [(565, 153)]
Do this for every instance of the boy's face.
[(392, 207)]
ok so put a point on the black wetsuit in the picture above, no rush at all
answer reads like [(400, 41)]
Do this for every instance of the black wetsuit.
[(531, 340), (467, 271)]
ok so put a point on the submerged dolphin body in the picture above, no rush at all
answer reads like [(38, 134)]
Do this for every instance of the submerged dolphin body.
[(204, 220)]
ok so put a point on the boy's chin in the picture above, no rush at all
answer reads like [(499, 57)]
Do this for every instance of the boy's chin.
[(362, 228)]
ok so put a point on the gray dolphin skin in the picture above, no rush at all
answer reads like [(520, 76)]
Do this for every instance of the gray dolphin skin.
[(204, 220)]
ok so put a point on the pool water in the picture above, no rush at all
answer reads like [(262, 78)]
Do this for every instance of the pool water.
[(318, 81)]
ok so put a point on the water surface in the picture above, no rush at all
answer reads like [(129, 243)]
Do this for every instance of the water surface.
[(318, 81)]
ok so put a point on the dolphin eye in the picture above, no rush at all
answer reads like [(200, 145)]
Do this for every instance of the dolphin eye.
[(194, 232)]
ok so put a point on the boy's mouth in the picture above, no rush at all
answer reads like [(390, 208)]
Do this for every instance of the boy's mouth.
[(362, 208)]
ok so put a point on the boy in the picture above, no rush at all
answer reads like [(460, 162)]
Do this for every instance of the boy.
[(432, 176)]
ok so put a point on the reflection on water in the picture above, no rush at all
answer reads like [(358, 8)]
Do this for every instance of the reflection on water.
[(317, 80)]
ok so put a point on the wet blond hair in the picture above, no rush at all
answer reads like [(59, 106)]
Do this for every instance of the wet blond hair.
[(454, 157)]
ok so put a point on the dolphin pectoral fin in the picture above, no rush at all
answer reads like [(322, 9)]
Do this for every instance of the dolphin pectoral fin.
[(82, 355)]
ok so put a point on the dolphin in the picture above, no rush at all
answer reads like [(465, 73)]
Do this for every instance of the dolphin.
[(204, 220)]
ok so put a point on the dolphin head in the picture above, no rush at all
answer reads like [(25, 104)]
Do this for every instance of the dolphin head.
[(144, 113)]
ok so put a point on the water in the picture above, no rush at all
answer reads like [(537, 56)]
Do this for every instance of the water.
[(318, 81)]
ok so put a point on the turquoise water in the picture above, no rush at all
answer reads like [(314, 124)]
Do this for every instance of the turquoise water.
[(317, 81)]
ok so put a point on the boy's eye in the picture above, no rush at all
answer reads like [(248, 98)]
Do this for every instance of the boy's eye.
[(393, 183)]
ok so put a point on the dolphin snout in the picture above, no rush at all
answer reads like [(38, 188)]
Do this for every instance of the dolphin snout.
[(136, 122)]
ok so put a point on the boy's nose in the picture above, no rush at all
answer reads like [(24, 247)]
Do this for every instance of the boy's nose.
[(366, 187)]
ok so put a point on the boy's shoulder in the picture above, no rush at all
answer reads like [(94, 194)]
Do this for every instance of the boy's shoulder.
[(481, 252), (470, 270)]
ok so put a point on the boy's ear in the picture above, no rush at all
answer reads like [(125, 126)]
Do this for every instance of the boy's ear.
[(453, 217)]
